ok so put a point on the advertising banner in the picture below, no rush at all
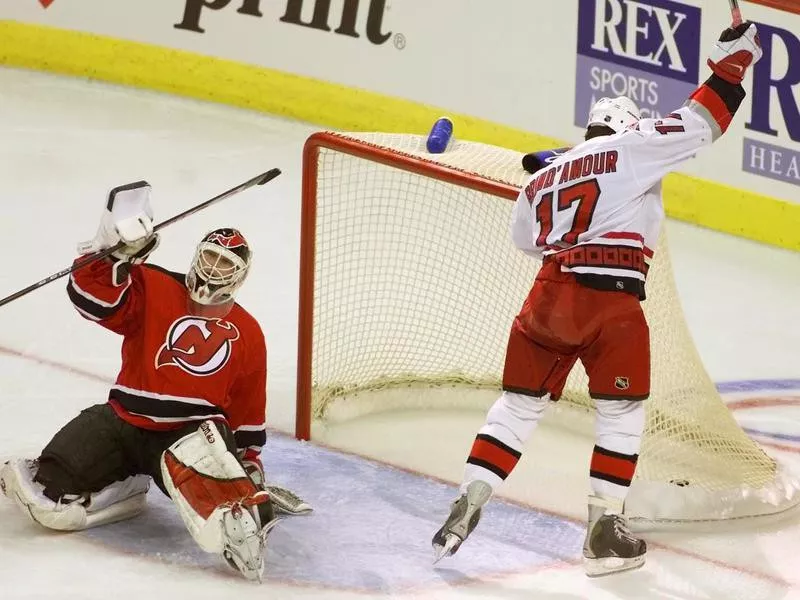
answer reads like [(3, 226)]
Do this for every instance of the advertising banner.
[(648, 51), (771, 144), (535, 67)]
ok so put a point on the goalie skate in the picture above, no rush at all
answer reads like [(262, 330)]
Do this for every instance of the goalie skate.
[(610, 547), (243, 542), (464, 516)]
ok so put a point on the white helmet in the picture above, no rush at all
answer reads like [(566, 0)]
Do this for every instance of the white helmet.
[(617, 113), (219, 267)]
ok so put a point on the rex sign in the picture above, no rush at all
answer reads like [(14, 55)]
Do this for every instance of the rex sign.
[(775, 108), (648, 51)]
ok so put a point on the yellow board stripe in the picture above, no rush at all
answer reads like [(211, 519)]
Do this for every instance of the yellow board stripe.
[(716, 206)]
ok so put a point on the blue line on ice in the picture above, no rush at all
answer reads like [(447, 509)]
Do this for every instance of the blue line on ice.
[(758, 385)]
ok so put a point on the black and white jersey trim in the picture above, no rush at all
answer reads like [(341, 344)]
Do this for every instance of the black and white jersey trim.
[(161, 408), (250, 436), (92, 307)]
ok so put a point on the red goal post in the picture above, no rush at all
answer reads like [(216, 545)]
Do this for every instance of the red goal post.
[(385, 156), (409, 283)]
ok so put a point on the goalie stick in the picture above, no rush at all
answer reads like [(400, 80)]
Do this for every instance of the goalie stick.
[(736, 12), (90, 258)]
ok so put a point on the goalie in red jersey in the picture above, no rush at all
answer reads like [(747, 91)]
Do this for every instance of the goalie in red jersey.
[(187, 408)]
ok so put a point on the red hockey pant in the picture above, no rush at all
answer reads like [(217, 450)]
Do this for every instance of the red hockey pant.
[(562, 321)]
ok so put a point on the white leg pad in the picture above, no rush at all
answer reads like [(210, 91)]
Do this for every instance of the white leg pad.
[(204, 481), (119, 501)]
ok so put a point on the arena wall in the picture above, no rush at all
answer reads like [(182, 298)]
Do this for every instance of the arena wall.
[(509, 73)]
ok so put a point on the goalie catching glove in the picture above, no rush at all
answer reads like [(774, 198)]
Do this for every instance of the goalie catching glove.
[(127, 218), (737, 49)]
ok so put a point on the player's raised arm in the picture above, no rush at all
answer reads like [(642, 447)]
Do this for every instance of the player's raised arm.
[(103, 291), (718, 99), (667, 142)]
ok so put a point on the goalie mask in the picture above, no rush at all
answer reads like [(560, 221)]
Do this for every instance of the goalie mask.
[(219, 268), (617, 113)]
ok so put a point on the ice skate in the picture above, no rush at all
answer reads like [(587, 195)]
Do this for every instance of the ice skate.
[(244, 542), (609, 546), (464, 516)]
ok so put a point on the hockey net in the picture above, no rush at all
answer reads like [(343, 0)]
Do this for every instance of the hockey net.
[(409, 284)]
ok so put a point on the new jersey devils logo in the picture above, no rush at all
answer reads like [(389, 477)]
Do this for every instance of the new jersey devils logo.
[(234, 240), (198, 346)]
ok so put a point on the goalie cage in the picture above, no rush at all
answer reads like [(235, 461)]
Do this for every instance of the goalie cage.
[(409, 283)]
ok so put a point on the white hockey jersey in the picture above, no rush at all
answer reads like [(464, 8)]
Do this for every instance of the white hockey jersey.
[(597, 209)]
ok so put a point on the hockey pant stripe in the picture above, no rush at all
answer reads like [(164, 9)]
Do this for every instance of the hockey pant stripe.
[(492, 454), (613, 467)]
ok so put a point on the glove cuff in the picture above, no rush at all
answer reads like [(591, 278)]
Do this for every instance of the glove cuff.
[(137, 254), (126, 256)]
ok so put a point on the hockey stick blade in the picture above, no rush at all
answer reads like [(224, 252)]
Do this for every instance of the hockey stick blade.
[(269, 176), (90, 258)]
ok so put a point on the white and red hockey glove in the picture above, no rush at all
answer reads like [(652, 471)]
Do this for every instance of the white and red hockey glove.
[(127, 218), (737, 49)]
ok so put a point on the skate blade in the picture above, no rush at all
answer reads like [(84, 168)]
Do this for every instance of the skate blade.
[(248, 574), (600, 567), (450, 545)]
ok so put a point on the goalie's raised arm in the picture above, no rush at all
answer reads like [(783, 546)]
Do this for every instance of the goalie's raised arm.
[(101, 291)]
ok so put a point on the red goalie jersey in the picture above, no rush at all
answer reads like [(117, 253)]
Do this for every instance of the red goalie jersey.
[(176, 367)]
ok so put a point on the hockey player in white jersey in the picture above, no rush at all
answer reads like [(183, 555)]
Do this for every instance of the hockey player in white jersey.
[(593, 215)]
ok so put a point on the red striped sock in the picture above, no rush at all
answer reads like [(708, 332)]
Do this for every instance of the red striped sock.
[(613, 467), (492, 454)]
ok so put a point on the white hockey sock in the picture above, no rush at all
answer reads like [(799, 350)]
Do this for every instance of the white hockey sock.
[(618, 433), (498, 445)]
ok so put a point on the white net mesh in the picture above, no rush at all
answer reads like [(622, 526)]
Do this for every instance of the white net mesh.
[(417, 283)]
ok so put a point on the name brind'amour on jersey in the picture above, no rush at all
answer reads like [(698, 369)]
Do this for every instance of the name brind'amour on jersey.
[(591, 164)]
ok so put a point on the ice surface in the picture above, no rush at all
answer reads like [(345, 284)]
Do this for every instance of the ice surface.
[(64, 143)]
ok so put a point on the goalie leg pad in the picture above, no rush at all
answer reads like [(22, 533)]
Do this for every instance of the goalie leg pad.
[(73, 512), (205, 481)]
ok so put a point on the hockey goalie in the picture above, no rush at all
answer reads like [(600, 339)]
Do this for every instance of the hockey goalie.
[(187, 410)]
